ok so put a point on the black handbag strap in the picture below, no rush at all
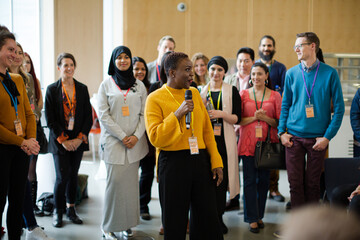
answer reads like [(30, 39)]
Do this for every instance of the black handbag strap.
[(268, 134)]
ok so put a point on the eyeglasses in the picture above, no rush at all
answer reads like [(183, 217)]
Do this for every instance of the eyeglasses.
[(300, 45)]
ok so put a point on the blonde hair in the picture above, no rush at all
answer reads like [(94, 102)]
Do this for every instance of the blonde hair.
[(169, 38), (22, 71), (194, 58)]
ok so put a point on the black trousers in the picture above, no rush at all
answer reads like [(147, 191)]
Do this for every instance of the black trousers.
[(13, 174), (147, 165), (66, 168), (185, 181), (340, 198), (28, 210), (222, 189)]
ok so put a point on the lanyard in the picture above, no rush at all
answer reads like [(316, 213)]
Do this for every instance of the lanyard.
[(218, 102), (312, 88), (67, 96), (262, 100), (121, 90), (158, 72), (192, 114), (13, 99)]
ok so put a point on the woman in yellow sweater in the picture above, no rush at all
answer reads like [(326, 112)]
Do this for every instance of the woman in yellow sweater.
[(189, 164), (17, 136)]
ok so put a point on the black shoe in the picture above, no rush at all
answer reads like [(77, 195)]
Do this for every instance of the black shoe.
[(278, 197), (288, 205), (145, 216), (232, 204), (57, 218), (261, 225), (33, 191), (38, 212), (254, 230), (72, 216), (224, 228)]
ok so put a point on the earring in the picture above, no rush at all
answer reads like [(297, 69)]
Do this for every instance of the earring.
[(266, 82), (250, 82)]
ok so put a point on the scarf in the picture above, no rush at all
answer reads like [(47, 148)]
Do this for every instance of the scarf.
[(124, 79), (11, 86)]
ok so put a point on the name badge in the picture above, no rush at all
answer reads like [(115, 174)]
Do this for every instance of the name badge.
[(258, 131), (309, 109), (18, 127), (71, 123), (125, 111), (194, 148), (217, 129)]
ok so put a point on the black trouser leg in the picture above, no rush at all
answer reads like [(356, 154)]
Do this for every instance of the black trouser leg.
[(222, 188), (340, 195), (67, 168), (187, 180), (13, 175), (147, 165)]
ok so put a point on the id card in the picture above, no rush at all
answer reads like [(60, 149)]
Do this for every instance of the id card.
[(258, 131), (71, 123), (194, 147), (217, 129), (18, 127), (125, 111), (309, 109)]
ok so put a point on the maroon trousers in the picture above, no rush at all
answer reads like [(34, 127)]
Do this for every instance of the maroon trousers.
[(304, 176)]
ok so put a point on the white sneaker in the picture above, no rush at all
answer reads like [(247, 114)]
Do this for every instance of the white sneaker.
[(128, 233), (37, 234), (109, 235)]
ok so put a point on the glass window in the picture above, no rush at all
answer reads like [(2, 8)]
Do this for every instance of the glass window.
[(22, 18), (5, 16)]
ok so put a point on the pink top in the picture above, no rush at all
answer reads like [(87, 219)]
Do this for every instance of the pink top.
[(247, 139), (243, 81)]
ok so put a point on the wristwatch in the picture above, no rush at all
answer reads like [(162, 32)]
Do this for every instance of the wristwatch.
[(279, 134)]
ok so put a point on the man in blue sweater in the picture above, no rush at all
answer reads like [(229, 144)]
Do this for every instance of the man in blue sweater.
[(305, 125)]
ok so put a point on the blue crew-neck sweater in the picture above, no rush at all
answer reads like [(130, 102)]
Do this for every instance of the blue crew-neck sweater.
[(327, 87)]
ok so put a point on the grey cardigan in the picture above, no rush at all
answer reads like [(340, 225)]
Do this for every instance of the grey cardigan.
[(115, 126)]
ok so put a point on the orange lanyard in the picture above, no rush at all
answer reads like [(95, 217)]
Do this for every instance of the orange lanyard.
[(158, 72), (125, 94), (67, 96)]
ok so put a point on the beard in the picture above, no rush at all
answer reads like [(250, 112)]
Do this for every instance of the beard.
[(267, 57)]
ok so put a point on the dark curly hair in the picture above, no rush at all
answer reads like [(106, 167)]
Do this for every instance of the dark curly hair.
[(172, 61)]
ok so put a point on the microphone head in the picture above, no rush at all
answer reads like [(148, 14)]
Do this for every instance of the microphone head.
[(188, 94)]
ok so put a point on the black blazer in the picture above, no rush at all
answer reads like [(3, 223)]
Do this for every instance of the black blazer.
[(54, 113)]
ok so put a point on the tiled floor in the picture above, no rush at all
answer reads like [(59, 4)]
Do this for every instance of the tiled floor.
[(91, 212)]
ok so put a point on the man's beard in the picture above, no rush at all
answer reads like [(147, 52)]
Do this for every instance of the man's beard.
[(267, 57)]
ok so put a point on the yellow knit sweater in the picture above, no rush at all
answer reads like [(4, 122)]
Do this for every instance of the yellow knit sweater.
[(166, 133), (8, 115)]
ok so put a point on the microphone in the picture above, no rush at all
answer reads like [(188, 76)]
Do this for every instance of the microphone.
[(188, 96)]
